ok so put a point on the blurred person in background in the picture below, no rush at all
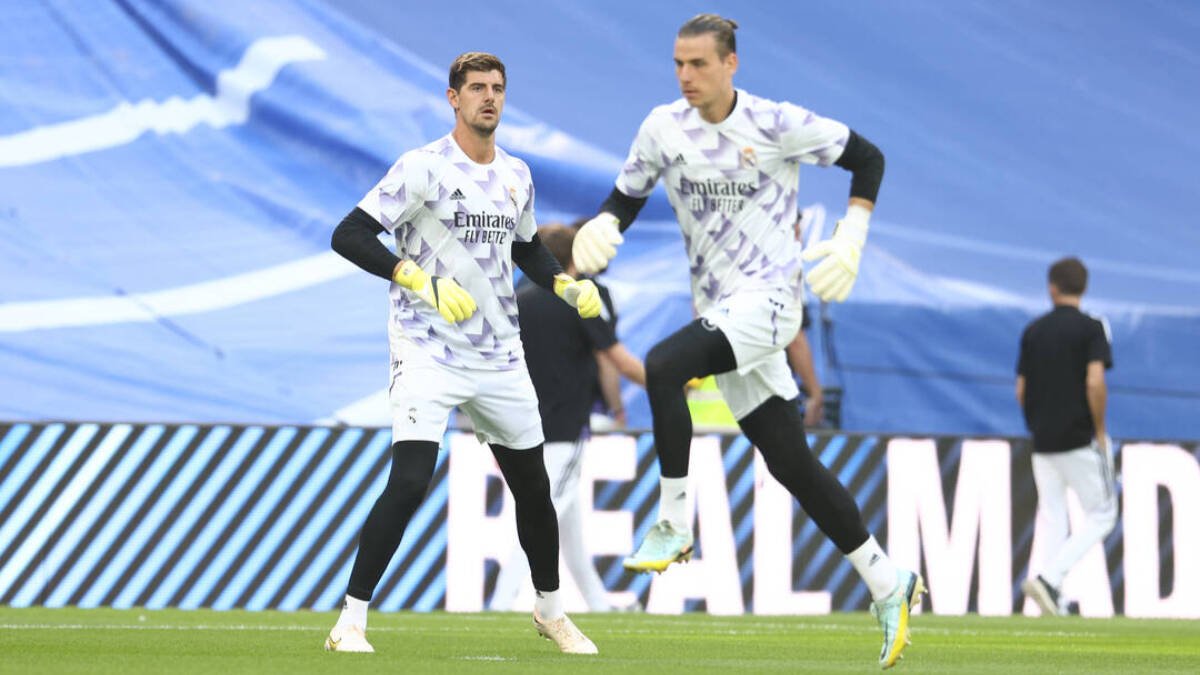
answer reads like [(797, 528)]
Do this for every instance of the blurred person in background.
[(462, 212), (799, 351), (730, 163), (561, 350), (1062, 392)]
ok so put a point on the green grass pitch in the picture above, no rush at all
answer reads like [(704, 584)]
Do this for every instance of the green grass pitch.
[(131, 642)]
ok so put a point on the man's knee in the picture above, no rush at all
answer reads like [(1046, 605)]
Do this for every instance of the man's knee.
[(525, 472), (661, 367), (405, 490)]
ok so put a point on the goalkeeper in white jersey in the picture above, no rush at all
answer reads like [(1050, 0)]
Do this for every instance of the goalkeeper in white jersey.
[(461, 211), (730, 163)]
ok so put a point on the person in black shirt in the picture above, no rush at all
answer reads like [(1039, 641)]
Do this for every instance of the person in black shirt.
[(561, 351), (1062, 392)]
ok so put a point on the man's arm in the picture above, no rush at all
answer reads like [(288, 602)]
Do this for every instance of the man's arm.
[(356, 239), (539, 264), (610, 388), (799, 355), (833, 277), (536, 261), (865, 162), (628, 365), (1097, 398), (597, 240)]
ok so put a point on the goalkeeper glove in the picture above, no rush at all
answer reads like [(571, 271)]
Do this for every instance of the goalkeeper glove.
[(446, 296), (582, 295), (834, 276), (596, 243)]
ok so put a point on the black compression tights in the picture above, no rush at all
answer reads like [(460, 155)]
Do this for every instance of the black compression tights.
[(537, 523), (776, 428), (412, 468), (692, 351)]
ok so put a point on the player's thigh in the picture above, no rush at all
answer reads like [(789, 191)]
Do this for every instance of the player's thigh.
[(1048, 478), (504, 409), (743, 392), (756, 323), (421, 393)]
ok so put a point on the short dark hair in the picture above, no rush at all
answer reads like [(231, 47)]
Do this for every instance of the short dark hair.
[(1069, 276), (558, 239), (477, 61), (721, 28)]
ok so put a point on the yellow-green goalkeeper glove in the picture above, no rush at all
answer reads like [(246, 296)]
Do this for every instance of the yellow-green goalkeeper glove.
[(582, 295), (446, 296), (834, 276)]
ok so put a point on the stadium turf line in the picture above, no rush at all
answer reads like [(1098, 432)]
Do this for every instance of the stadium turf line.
[(132, 642)]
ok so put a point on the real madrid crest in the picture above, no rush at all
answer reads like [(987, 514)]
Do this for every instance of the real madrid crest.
[(748, 159)]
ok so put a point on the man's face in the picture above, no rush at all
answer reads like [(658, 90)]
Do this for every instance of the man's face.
[(480, 100), (704, 77)]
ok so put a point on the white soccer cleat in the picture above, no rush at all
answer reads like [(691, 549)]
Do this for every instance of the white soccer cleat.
[(562, 632), (348, 639)]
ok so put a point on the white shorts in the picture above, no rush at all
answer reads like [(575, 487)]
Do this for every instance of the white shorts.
[(759, 326), (502, 404)]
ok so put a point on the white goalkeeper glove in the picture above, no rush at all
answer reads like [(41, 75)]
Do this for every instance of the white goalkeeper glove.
[(453, 302), (596, 243), (834, 276), (582, 295)]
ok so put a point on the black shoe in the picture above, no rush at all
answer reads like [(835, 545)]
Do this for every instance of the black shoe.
[(1045, 595)]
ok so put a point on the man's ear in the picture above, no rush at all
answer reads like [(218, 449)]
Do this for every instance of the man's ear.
[(452, 97)]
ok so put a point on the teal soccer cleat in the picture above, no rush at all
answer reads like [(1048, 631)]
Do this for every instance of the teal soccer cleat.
[(893, 614), (662, 546)]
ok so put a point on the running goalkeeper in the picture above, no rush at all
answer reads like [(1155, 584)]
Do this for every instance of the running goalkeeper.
[(730, 162)]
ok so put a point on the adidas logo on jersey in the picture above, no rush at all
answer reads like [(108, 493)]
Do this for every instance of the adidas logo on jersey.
[(457, 195), (679, 159)]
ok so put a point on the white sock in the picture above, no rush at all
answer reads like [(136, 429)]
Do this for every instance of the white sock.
[(548, 605), (673, 502), (875, 567), (354, 613)]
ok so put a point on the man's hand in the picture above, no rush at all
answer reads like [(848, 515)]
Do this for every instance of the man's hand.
[(834, 276), (582, 295), (450, 300), (596, 243), (814, 411)]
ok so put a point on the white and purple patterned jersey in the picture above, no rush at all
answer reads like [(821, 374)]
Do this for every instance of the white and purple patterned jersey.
[(457, 219), (733, 187)]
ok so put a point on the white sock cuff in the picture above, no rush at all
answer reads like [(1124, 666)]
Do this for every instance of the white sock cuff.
[(673, 501), (875, 568), (354, 612), (548, 604)]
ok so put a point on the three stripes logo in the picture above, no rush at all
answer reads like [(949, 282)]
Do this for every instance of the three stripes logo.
[(457, 195)]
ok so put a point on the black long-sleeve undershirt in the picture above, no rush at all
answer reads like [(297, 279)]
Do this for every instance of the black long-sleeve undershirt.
[(536, 261), (865, 161), (356, 239), (624, 207)]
